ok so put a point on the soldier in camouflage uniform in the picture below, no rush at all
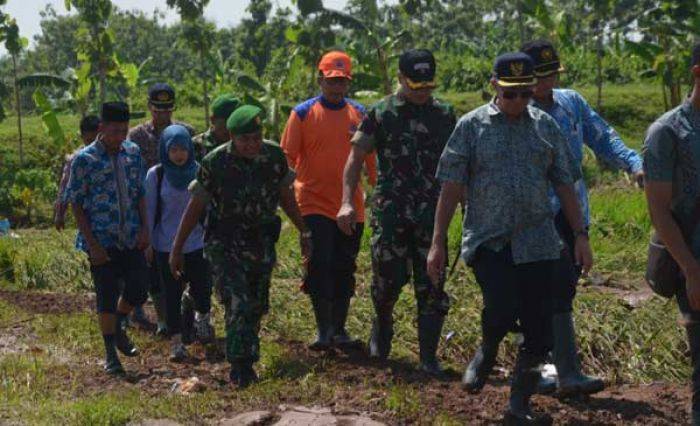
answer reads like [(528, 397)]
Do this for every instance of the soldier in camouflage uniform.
[(242, 183), (408, 130), (217, 134), (161, 104)]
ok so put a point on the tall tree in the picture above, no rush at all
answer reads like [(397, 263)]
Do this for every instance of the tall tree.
[(95, 45), (199, 35), (9, 33)]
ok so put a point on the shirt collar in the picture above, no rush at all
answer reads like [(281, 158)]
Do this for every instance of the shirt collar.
[(494, 110), (332, 106), (100, 146)]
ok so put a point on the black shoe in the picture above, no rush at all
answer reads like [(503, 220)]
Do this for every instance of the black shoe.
[(522, 419), (122, 342), (114, 368), (479, 369), (429, 330), (322, 311), (380, 337)]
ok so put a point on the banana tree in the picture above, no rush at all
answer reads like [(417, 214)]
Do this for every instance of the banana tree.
[(198, 35), (9, 33), (95, 47), (370, 30), (668, 28), (270, 94)]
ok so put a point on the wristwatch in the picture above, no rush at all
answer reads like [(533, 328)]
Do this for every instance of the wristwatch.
[(306, 235)]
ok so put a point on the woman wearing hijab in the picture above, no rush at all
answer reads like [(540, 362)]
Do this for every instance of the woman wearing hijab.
[(166, 199)]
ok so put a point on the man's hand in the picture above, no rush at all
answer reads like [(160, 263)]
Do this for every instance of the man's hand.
[(307, 247), (142, 240), (148, 253), (638, 178), (436, 262), (347, 218), (583, 253), (98, 255), (177, 261)]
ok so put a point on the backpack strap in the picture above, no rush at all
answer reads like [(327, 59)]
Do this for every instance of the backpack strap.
[(159, 204)]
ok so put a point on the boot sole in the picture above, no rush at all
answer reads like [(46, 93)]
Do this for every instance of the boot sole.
[(573, 391)]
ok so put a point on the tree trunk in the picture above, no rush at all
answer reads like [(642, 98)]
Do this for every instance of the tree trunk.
[(205, 90), (599, 70), (103, 82), (386, 81), (663, 92), (521, 22), (18, 106)]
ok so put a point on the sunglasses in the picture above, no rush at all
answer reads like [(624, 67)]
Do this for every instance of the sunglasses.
[(512, 94)]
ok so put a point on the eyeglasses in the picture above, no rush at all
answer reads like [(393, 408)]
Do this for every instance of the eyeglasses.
[(512, 94)]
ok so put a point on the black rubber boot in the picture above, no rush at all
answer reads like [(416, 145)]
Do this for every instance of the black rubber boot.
[(187, 311), (692, 330), (480, 367), (526, 374), (323, 310), (429, 330), (571, 381), (381, 335), (121, 340), (161, 315), (341, 306), (112, 364)]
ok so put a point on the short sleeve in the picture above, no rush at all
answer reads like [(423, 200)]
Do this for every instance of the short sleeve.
[(365, 136), (454, 161), (659, 153), (76, 192), (292, 138)]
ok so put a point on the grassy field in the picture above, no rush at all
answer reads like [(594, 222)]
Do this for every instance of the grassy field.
[(46, 382)]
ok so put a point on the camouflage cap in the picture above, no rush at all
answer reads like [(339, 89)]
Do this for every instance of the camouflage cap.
[(224, 105), (245, 119)]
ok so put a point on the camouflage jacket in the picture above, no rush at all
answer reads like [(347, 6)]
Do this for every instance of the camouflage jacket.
[(408, 139), (242, 194), (145, 136), (205, 143)]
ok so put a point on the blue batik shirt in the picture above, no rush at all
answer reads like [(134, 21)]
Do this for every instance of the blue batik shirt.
[(108, 188), (582, 125), (507, 168)]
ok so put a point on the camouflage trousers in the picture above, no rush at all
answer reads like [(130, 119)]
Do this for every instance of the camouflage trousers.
[(243, 287), (400, 251)]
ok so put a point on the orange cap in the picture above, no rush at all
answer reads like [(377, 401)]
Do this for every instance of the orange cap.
[(336, 64)]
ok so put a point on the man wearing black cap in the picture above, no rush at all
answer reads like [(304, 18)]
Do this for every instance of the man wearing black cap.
[(672, 184), (107, 196), (408, 130), (580, 125), (505, 156), (161, 104)]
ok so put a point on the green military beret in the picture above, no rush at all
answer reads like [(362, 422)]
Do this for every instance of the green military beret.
[(224, 105), (245, 119)]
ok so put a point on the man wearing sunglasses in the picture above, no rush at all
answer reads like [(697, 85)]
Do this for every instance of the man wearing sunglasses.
[(408, 130), (161, 104), (505, 156)]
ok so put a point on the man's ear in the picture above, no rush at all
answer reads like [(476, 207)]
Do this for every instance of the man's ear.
[(696, 71)]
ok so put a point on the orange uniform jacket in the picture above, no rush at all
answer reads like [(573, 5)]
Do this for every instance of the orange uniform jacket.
[(316, 141)]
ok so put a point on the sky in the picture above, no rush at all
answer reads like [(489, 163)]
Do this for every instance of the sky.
[(224, 13)]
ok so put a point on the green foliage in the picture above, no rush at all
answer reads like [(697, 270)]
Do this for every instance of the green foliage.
[(32, 187)]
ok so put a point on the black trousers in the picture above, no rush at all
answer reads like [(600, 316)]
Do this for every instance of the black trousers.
[(566, 272), (198, 276), (331, 271), (127, 264), (515, 293)]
